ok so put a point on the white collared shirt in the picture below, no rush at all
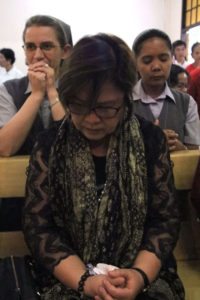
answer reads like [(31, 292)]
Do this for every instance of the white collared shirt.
[(155, 104), (13, 73), (184, 65)]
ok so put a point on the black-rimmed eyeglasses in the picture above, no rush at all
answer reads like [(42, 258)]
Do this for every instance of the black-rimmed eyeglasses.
[(104, 112)]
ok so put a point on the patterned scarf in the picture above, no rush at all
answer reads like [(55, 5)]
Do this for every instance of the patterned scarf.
[(108, 229)]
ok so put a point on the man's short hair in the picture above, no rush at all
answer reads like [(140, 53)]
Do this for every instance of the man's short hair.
[(9, 54)]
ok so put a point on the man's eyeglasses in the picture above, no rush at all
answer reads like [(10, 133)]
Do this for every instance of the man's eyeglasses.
[(104, 112), (44, 46)]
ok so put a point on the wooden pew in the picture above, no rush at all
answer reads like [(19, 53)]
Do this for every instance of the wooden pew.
[(13, 176), (187, 251), (185, 164), (12, 184), (184, 167)]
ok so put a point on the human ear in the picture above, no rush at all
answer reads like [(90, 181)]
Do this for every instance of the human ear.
[(66, 51)]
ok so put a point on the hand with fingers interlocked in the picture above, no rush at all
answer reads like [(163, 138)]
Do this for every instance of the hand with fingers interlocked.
[(119, 284), (172, 138), (41, 77), (95, 285)]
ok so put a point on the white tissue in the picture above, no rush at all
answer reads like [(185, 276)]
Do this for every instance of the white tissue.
[(103, 269)]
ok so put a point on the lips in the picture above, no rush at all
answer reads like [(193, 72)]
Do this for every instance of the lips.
[(158, 77), (92, 129)]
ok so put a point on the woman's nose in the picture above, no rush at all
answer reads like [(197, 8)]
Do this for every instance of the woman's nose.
[(39, 55), (92, 117), (156, 65)]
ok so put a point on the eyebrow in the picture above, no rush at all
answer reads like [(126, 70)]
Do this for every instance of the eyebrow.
[(31, 42), (152, 55)]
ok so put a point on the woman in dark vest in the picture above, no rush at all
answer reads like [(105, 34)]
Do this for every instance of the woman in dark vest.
[(175, 112), (30, 104)]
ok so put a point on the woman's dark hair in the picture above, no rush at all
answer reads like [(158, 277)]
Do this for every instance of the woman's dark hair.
[(95, 60), (62, 29), (9, 54), (173, 76), (148, 34), (194, 46)]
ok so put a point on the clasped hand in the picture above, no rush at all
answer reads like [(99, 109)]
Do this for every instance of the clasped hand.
[(41, 77), (173, 142), (120, 284), (172, 138)]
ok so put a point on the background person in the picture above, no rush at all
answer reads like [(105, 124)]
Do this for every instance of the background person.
[(175, 112), (105, 193), (178, 78), (30, 104), (179, 51), (195, 53), (194, 87), (7, 60)]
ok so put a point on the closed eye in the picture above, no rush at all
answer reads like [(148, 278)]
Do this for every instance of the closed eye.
[(147, 59), (164, 57)]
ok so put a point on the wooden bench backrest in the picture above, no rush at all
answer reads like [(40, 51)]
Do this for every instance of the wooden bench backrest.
[(13, 176), (185, 164), (12, 184)]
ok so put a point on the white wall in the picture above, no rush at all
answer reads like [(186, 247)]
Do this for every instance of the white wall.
[(172, 18), (125, 18)]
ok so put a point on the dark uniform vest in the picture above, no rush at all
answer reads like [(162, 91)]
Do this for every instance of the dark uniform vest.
[(17, 88), (172, 116)]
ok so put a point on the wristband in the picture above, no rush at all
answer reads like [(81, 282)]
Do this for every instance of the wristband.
[(145, 278), (81, 283), (54, 103)]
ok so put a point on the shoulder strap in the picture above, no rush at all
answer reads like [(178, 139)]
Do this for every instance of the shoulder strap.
[(17, 88), (182, 99)]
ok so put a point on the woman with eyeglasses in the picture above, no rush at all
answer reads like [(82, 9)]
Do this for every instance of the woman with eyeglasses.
[(31, 104), (178, 78), (100, 216)]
